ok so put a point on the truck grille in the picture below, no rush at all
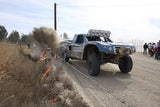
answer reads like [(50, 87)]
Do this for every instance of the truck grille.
[(122, 50)]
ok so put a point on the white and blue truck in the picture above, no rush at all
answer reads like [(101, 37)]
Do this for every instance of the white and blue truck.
[(97, 48)]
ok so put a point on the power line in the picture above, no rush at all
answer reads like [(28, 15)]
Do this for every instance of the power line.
[(103, 6)]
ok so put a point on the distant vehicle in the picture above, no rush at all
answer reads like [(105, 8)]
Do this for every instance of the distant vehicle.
[(97, 48)]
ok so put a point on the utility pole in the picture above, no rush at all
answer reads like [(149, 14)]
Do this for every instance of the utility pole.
[(55, 16)]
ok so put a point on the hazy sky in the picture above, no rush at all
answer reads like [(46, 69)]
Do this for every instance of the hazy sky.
[(126, 19)]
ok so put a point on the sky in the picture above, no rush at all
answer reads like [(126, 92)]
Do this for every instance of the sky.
[(126, 19)]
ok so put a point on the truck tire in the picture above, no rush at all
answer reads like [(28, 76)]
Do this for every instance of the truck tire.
[(125, 64), (93, 63)]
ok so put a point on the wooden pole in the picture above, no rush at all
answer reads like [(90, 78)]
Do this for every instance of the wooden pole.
[(55, 17)]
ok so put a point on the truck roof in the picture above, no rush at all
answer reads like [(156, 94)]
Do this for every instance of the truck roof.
[(99, 33)]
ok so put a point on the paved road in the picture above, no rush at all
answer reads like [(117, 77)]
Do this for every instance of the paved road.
[(111, 88)]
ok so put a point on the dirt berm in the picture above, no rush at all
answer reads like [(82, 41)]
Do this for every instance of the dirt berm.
[(71, 96), (21, 82)]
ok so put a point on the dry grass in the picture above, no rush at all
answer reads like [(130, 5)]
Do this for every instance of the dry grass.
[(20, 81), (19, 77)]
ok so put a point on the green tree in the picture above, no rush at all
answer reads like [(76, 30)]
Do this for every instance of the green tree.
[(65, 36), (26, 39), (3, 33), (14, 37)]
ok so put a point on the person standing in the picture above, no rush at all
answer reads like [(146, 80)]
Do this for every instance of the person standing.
[(154, 48), (145, 46), (154, 45), (150, 48), (158, 53)]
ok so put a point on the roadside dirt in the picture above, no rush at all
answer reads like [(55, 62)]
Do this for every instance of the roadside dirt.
[(21, 82), (139, 88)]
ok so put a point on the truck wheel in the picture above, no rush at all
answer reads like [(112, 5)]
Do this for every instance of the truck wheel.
[(93, 65), (125, 64)]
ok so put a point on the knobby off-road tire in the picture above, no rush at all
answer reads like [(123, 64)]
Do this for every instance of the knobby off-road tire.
[(93, 63), (125, 64)]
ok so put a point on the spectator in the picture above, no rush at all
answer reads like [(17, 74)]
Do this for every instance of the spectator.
[(154, 45), (158, 53), (145, 46), (150, 48)]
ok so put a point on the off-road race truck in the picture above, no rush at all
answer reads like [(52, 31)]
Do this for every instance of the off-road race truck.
[(97, 48)]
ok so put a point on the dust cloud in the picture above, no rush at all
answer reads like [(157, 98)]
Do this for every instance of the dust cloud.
[(46, 36)]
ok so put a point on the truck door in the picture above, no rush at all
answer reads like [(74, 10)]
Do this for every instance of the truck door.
[(77, 47)]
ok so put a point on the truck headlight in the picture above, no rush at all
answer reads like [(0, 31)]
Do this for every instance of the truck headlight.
[(132, 51), (120, 51)]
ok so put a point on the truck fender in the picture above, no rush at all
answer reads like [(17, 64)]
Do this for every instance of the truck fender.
[(89, 49)]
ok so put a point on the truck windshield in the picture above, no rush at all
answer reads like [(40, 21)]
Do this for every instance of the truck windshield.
[(97, 38)]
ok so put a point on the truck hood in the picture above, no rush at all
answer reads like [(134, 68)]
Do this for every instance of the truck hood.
[(110, 46), (112, 43), (118, 44)]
